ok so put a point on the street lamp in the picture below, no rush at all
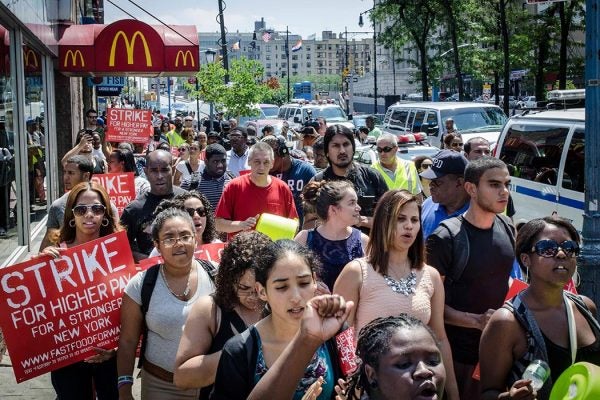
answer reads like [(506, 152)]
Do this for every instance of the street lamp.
[(361, 23), (210, 58)]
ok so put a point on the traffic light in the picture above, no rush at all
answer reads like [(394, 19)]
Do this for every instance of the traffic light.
[(346, 72), (361, 71)]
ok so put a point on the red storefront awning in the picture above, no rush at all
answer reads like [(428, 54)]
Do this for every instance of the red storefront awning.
[(128, 47)]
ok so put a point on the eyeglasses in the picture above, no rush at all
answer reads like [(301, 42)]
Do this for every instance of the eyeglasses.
[(456, 144), (185, 240), (81, 210), (200, 210), (385, 149), (234, 136), (548, 248), (425, 166), (246, 291)]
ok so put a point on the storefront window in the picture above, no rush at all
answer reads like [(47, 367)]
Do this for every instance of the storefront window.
[(9, 195), (36, 132)]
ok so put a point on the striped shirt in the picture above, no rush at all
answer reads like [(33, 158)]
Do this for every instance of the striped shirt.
[(212, 188)]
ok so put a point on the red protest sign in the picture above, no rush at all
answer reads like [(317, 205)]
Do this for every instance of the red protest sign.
[(120, 188), (52, 311), (129, 125), (210, 252)]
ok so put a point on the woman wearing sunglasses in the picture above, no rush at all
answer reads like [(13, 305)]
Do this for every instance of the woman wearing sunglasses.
[(179, 281), (87, 217), (543, 322), (423, 163), (199, 208), (190, 169)]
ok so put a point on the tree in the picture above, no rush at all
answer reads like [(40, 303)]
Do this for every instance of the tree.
[(241, 94)]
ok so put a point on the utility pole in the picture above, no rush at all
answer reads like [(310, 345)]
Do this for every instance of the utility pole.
[(589, 259), (287, 54), (223, 41)]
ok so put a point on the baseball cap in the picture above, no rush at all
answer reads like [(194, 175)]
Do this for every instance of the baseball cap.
[(446, 162), (225, 125)]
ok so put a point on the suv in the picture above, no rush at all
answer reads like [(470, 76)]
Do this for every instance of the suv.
[(470, 120), (544, 152), (300, 113)]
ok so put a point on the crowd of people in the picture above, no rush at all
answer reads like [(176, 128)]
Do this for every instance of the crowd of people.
[(411, 260)]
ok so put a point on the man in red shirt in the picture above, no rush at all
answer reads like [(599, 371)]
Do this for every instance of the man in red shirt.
[(250, 195)]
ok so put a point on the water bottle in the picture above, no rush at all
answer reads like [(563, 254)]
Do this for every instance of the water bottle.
[(537, 372)]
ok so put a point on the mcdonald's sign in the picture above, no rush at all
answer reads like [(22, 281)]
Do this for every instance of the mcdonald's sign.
[(74, 56), (185, 57), (129, 46), (30, 58)]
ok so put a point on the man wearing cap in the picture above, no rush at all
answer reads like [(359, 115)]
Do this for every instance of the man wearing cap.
[(292, 171), (397, 173), (174, 136), (368, 183), (474, 253), (237, 157), (213, 137), (448, 196), (248, 196)]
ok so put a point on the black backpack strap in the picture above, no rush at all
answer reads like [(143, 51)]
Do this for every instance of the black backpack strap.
[(460, 247), (209, 267), (147, 288), (189, 167)]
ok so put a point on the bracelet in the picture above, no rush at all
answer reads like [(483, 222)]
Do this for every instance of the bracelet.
[(128, 378), (123, 383)]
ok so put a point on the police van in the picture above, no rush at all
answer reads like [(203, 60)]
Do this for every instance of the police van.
[(470, 120), (544, 152)]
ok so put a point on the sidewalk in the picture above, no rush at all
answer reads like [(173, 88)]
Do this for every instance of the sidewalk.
[(38, 388)]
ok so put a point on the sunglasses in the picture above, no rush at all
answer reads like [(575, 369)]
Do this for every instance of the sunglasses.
[(385, 149), (548, 248), (425, 166), (181, 150), (200, 210), (81, 210), (194, 148), (456, 145)]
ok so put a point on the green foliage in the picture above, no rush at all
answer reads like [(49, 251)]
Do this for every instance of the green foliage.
[(245, 88)]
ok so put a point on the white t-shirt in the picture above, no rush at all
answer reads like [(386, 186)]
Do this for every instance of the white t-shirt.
[(185, 173), (166, 315)]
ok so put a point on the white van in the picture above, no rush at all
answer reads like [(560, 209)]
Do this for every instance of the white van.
[(470, 120), (544, 152)]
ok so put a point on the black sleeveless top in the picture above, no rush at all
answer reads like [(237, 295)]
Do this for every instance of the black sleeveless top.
[(559, 358), (231, 325)]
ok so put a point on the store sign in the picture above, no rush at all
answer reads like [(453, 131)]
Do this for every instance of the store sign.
[(120, 188), (53, 311), (108, 90), (129, 125)]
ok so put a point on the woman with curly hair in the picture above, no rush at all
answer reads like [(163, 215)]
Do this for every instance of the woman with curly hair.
[(228, 311), (199, 208)]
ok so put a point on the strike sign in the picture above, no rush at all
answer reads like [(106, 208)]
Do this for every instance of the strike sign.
[(120, 188), (129, 125), (54, 310)]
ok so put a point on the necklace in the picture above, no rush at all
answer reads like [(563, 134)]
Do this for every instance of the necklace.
[(187, 285), (406, 286)]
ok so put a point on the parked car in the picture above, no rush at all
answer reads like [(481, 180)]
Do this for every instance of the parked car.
[(527, 102), (545, 153), (259, 124), (470, 119)]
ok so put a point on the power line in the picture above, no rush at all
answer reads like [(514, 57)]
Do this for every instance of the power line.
[(121, 9)]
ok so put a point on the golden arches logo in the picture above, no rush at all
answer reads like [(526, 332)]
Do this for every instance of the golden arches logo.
[(185, 57), (74, 56), (129, 48), (27, 60)]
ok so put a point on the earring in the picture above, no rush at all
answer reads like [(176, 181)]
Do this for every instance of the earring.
[(527, 274), (72, 223), (105, 221), (373, 384)]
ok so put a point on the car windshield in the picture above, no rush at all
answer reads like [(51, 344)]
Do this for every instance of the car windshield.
[(476, 119), (333, 114), (270, 112)]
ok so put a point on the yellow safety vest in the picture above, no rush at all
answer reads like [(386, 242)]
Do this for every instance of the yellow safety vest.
[(174, 138), (406, 176)]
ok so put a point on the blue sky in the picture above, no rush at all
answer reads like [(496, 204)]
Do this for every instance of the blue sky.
[(303, 17)]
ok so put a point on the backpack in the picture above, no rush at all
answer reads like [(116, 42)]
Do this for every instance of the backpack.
[(148, 287), (460, 245)]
